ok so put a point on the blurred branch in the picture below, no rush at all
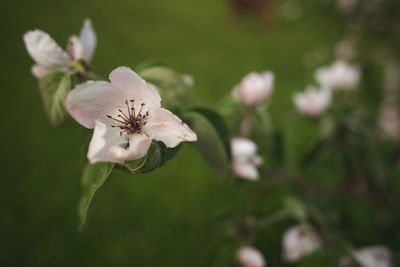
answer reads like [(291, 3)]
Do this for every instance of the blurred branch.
[(313, 188)]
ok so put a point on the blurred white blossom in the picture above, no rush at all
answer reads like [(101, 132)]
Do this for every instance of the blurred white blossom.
[(126, 116), (250, 257), (338, 76), (49, 56), (372, 256), (312, 102), (245, 159), (389, 121), (389, 117), (346, 6), (299, 241), (188, 79), (255, 88)]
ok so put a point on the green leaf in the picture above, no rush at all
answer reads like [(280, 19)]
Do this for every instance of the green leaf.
[(157, 155), (217, 122), (54, 88), (209, 141), (170, 84), (94, 176), (147, 64)]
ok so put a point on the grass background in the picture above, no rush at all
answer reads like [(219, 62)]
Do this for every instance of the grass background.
[(170, 216)]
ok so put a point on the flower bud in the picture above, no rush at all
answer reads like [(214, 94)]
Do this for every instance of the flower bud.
[(255, 88), (250, 257), (338, 76), (245, 159), (299, 241), (372, 256), (312, 102)]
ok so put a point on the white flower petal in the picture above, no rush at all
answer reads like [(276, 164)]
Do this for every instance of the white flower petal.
[(245, 170), (75, 48), (244, 158), (164, 126), (312, 102), (38, 71), (250, 257), (255, 88), (44, 50), (338, 76), (103, 139), (298, 242), (138, 146), (94, 100), (371, 256), (134, 86), (88, 40), (243, 147)]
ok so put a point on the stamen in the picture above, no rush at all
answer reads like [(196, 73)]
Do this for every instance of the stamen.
[(126, 117), (129, 113), (131, 123)]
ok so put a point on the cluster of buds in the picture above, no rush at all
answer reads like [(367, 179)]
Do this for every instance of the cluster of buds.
[(336, 77)]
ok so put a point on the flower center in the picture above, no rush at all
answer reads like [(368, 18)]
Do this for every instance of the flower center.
[(130, 122)]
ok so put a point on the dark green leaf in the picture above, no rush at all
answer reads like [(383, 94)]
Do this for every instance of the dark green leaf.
[(157, 155), (94, 176), (218, 123), (209, 142), (54, 88)]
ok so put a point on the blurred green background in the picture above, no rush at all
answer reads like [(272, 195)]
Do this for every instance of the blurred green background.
[(170, 217)]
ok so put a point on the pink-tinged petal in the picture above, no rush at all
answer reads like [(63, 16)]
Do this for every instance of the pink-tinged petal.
[(135, 87), (44, 50), (94, 100), (250, 257), (138, 146), (88, 39), (104, 138), (164, 126), (243, 147), (298, 242), (255, 88), (245, 170), (38, 71), (74, 48)]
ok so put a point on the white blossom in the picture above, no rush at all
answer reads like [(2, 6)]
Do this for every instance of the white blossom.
[(126, 116), (338, 76), (49, 56), (298, 242), (245, 159), (255, 88), (312, 102), (371, 256), (250, 257)]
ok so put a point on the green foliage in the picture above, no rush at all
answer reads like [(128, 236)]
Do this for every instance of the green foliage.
[(217, 122), (54, 87), (213, 138), (157, 155), (170, 84), (94, 176)]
